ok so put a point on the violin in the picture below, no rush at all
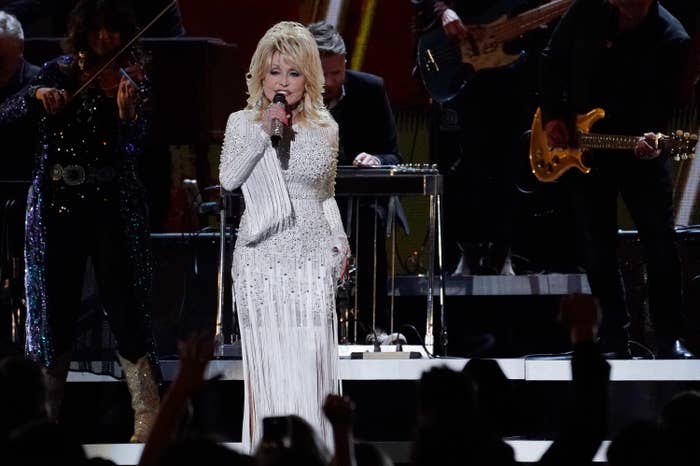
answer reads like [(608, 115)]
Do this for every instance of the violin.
[(110, 71), (107, 74)]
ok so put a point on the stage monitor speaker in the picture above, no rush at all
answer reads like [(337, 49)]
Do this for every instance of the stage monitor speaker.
[(634, 275), (185, 289)]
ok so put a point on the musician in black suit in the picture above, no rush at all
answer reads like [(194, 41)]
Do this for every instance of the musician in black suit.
[(631, 65), (477, 134), (360, 105)]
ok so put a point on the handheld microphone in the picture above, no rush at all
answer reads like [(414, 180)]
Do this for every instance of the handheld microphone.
[(277, 126)]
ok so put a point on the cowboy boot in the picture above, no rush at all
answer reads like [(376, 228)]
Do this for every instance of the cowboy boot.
[(55, 380), (145, 398)]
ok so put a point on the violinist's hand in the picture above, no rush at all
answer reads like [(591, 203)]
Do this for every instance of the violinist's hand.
[(136, 72), (647, 147), (276, 111), (364, 159), (52, 99), (126, 99)]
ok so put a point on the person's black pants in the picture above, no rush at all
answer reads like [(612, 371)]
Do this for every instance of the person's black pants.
[(92, 227), (647, 191)]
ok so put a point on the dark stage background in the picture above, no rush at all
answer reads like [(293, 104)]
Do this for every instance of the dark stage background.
[(200, 79)]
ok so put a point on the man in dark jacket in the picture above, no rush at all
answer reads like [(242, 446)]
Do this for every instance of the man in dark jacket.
[(15, 71), (360, 105), (482, 106), (631, 65)]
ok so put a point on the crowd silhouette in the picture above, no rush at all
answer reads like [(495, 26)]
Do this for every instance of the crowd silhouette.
[(461, 418)]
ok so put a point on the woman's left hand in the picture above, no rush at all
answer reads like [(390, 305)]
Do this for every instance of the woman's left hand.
[(343, 250), (126, 99), (344, 268)]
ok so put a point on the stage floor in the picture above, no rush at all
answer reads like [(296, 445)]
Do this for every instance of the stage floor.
[(556, 368)]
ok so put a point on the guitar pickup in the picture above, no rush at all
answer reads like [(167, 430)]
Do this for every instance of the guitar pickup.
[(430, 62)]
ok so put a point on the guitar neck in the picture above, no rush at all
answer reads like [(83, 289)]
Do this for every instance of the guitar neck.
[(530, 20), (607, 141)]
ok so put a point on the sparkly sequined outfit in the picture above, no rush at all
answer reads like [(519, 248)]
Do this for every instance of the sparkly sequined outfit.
[(85, 201), (285, 269)]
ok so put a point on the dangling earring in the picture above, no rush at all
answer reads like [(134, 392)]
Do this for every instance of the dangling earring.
[(82, 57)]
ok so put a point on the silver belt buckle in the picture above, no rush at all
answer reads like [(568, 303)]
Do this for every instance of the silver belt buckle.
[(73, 175), (57, 172)]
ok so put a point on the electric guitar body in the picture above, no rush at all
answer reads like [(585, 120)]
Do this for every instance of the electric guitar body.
[(549, 163), (446, 66)]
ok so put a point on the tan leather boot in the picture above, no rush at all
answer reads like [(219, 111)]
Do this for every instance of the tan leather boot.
[(55, 380), (145, 399)]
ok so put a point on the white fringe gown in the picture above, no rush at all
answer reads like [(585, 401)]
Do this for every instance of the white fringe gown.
[(285, 269)]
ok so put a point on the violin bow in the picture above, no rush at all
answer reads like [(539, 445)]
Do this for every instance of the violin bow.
[(125, 47)]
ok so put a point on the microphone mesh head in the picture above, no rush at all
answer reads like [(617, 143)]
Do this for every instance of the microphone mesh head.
[(279, 99)]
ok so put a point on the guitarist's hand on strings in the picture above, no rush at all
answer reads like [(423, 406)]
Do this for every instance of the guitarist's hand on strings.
[(647, 147), (451, 23), (557, 133)]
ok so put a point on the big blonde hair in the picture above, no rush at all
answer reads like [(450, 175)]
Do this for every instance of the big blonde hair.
[(293, 40)]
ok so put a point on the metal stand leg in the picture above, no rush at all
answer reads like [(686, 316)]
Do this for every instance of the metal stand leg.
[(429, 336), (223, 342), (375, 245), (441, 271), (392, 273), (356, 280), (220, 337)]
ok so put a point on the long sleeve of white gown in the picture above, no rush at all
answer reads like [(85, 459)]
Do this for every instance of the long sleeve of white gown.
[(332, 214), (244, 145)]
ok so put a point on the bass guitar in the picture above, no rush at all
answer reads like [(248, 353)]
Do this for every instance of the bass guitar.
[(446, 66), (549, 163)]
